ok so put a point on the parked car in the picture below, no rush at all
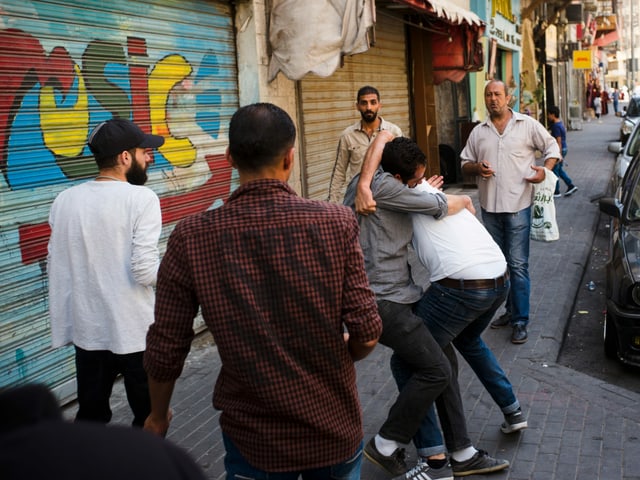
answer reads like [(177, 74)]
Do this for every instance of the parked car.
[(625, 152), (622, 270), (630, 117)]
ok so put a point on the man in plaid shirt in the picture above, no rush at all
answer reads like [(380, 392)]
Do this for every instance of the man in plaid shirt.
[(278, 280)]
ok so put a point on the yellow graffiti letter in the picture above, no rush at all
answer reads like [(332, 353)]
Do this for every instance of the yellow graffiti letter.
[(168, 72), (64, 129)]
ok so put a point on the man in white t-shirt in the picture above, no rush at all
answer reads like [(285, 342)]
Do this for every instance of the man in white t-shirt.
[(102, 266), (469, 282)]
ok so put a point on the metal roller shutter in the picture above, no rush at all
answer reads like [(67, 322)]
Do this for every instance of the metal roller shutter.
[(328, 104), (65, 66)]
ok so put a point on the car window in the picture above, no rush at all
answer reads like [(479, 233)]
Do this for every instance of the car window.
[(633, 213), (632, 251), (634, 143), (634, 205), (633, 110), (630, 191)]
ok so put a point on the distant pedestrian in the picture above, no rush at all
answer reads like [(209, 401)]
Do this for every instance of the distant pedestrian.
[(279, 280), (355, 140), (590, 93), (604, 96), (502, 152), (102, 266), (597, 106), (560, 134), (616, 100)]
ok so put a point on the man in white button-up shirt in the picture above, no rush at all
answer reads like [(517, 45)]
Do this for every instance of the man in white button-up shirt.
[(501, 152)]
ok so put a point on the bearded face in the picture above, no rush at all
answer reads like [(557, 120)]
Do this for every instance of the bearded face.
[(137, 173), (368, 105)]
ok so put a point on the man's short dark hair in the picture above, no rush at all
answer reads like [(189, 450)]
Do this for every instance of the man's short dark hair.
[(368, 90), (555, 111), (402, 156), (259, 134)]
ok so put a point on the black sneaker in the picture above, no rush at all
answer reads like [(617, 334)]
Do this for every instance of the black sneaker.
[(519, 334), (502, 321), (513, 422), (571, 191), (480, 463), (394, 463)]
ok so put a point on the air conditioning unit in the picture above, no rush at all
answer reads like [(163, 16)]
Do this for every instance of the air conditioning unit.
[(575, 117), (574, 111), (573, 13)]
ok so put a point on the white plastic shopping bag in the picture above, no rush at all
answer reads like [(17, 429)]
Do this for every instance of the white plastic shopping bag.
[(543, 222)]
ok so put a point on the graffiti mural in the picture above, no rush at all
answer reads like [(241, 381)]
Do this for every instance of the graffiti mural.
[(64, 101), (57, 85)]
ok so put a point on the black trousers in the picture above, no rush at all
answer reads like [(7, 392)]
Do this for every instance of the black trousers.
[(96, 370), (409, 338)]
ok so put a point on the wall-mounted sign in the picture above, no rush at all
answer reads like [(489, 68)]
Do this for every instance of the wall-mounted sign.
[(551, 44), (606, 23), (505, 33), (581, 59)]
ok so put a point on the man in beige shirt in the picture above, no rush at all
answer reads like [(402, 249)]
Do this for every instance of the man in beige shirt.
[(355, 140), (501, 152)]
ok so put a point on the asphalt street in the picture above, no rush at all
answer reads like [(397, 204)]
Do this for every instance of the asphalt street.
[(583, 348)]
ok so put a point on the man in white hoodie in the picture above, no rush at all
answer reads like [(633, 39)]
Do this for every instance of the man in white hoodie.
[(102, 266)]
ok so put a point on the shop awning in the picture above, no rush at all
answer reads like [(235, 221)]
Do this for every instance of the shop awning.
[(606, 39), (445, 11), (455, 38)]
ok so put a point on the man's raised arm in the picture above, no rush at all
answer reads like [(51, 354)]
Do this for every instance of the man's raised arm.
[(365, 203)]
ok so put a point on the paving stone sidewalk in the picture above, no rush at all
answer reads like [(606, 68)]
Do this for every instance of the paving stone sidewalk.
[(579, 427)]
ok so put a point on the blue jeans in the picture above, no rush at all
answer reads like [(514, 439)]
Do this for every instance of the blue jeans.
[(459, 317), (511, 232), (561, 174), (237, 467)]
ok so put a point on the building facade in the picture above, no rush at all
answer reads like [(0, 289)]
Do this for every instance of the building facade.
[(180, 69)]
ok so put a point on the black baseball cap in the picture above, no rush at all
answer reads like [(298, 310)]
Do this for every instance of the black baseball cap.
[(114, 136)]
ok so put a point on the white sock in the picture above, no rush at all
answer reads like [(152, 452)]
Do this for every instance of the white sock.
[(384, 446), (464, 454)]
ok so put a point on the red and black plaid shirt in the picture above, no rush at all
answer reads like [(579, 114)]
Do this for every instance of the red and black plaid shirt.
[(276, 277)]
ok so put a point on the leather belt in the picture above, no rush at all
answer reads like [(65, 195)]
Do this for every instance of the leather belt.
[(483, 284)]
